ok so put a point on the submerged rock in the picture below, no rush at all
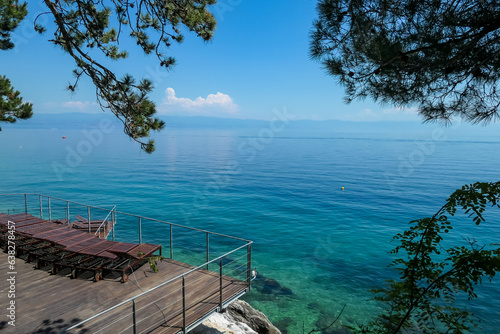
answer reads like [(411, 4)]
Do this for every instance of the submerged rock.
[(270, 286), (283, 324), (324, 323)]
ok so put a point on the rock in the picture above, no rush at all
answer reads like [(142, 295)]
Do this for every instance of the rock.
[(219, 323), (238, 318), (271, 286), (242, 312)]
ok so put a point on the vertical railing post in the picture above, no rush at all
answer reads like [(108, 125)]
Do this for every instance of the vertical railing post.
[(88, 213), (171, 243), (208, 250), (183, 306), (133, 316), (113, 218), (249, 265), (25, 205), (67, 212), (220, 285), (140, 231), (50, 213), (41, 207)]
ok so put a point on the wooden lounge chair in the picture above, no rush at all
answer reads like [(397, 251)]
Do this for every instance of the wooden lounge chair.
[(130, 260), (71, 250), (15, 218), (52, 232), (29, 245), (43, 256), (58, 235), (69, 263), (29, 222), (75, 245), (103, 254), (76, 239), (37, 228), (93, 265)]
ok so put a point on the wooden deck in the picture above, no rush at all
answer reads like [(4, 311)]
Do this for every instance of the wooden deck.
[(50, 303)]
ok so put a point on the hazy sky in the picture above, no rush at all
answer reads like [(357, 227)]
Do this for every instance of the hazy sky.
[(257, 61)]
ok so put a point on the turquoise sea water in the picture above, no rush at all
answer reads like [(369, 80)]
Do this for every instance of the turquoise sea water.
[(281, 190)]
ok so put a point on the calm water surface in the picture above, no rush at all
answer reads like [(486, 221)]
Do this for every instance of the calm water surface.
[(325, 245)]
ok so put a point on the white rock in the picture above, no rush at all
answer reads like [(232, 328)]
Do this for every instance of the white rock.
[(219, 323), (238, 318)]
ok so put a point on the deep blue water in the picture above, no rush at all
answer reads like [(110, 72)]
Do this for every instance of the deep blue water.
[(328, 245)]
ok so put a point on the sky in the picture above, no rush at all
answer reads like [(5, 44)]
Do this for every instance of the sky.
[(257, 62)]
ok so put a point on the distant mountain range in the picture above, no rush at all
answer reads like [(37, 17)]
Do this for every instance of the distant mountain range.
[(77, 121)]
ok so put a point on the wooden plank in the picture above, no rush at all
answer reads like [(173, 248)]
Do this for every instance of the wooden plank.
[(77, 239), (16, 218), (122, 247), (143, 250), (55, 230), (37, 228), (62, 236), (108, 255), (97, 248), (30, 229), (84, 244), (30, 222)]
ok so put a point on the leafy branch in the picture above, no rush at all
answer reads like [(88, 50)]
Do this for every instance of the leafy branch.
[(429, 281), (90, 32), (442, 56)]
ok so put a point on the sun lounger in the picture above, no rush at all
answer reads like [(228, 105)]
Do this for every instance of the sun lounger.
[(53, 232), (16, 218), (63, 235), (29, 222), (69, 263), (38, 228), (130, 260), (75, 240), (48, 256), (73, 251), (77, 247), (29, 245)]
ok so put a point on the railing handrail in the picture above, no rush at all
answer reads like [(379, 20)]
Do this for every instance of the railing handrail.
[(56, 198), (183, 226), (105, 219), (133, 215), (154, 288)]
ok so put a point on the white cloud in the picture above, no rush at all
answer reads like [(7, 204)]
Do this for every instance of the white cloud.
[(213, 103), (402, 110), (70, 106), (367, 112), (78, 105)]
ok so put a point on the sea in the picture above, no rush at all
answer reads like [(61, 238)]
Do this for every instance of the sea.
[(321, 202)]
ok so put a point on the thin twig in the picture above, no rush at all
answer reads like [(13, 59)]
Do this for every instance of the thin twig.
[(334, 321)]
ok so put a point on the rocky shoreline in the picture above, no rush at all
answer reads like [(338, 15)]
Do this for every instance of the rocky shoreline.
[(238, 318)]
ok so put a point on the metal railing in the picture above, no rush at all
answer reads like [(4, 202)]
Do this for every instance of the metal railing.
[(154, 301), (221, 255), (106, 221)]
